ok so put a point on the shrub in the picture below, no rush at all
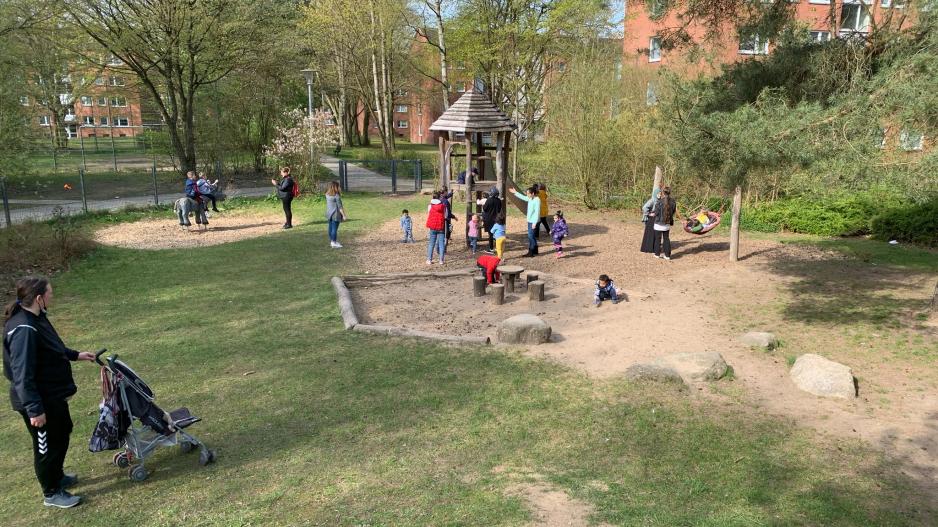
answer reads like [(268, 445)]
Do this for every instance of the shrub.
[(835, 216), (917, 224), (43, 248)]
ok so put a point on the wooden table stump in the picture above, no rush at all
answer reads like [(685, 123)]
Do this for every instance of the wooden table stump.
[(509, 274), (498, 293), (530, 277), (478, 285), (536, 291)]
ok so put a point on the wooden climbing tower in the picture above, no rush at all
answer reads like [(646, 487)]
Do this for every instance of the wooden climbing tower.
[(477, 119)]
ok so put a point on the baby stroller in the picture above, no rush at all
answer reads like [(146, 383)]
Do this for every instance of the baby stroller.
[(128, 399)]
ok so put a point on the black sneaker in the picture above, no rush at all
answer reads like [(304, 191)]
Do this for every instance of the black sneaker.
[(61, 499), (68, 480), (288, 226)]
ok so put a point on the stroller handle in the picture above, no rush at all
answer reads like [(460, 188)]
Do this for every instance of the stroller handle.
[(97, 356)]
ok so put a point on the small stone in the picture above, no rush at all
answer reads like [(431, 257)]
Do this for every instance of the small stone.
[(707, 366), (759, 339), (822, 377), (524, 329)]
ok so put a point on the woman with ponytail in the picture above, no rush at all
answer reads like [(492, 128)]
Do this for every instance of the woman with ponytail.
[(36, 362), (664, 219)]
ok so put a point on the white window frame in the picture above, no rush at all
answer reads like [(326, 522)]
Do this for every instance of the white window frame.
[(822, 2), (911, 141), (656, 8), (892, 4), (759, 47), (102, 101), (86, 100), (403, 123), (116, 102), (400, 108), (104, 121), (654, 49), (24, 100), (114, 61), (860, 7), (45, 120), (121, 122), (816, 35), (87, 120), (117, 81)]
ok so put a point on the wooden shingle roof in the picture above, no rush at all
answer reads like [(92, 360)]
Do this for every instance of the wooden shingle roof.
[(473, 112)]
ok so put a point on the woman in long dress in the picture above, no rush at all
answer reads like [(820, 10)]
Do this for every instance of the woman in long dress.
[(648, 218)]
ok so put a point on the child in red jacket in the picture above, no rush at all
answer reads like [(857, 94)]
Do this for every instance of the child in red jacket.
[(489, 265)]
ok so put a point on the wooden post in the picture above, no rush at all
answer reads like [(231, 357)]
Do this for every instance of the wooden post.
[(478, 285), (469, 202), (934, 301), (508, 279), (498, 293), (443, 162), (659, 176), (530, 277), (734, 227), (536, 291)]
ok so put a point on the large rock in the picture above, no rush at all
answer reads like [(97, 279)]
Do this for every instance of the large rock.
[(707, 366), (826, 378), (759, 339), (523, 329), (652, 372)]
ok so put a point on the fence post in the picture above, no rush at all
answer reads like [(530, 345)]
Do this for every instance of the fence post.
[(418, 175), (156, 189), (343, 175), (81, 182), (6, 201), (394, 175)]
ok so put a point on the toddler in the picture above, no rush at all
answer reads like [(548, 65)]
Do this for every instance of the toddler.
[(559, 231), (605, 290), (407, 227), (473, 233), (498, 232), (489, 266)]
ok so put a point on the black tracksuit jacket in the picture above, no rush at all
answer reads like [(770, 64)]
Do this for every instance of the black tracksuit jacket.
[(36, 362)]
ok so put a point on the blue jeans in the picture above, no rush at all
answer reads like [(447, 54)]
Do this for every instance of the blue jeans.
[(333, 230), (532, 238), (438, 239)]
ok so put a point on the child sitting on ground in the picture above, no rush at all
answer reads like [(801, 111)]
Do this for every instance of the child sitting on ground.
[(605, 290), (559, 231), (498, 232), (473, 233), (489, 265), (407, 227)]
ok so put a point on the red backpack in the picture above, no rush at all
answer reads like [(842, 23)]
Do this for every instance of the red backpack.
[(295, 191)]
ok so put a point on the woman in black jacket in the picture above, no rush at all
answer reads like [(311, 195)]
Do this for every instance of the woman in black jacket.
[(285, 193), (664, 211), (36, 362), (490, 211)]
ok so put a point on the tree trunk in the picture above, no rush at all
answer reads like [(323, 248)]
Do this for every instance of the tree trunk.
[(659, 177), (934, 301), (437, 9), (734, 226)]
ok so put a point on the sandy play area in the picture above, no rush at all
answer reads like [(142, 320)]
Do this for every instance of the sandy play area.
[(813, 300), (167, 234)]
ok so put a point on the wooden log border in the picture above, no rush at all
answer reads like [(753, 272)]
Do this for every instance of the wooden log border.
[(345, 303)]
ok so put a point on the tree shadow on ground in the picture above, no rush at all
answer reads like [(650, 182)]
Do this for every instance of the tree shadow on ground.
[(829, 289)]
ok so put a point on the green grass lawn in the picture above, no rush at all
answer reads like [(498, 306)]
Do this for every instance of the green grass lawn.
[(314, 425)]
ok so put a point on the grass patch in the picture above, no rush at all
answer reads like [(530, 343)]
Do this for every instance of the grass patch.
[(340, 428)]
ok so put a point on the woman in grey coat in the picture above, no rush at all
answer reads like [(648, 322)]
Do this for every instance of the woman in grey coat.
[(648, 218), (335, 213)]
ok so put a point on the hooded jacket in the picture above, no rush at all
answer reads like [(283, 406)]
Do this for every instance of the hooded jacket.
[(36, 362), (491, 209), (436, 217)]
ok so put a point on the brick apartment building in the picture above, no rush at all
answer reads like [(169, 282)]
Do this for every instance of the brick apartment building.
[(109, 104), (644, 22)]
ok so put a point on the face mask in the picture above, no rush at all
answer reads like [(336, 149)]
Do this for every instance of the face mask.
[(42, 304)]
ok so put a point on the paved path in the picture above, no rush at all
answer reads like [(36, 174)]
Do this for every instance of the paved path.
[(45, 208), (364, 180)]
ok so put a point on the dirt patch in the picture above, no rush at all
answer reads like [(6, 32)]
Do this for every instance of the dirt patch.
[(549, 506), (167, 234)]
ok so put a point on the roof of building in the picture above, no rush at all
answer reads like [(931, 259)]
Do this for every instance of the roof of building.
[(473, 112)]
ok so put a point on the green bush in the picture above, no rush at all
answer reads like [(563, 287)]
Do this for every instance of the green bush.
[(917, 224), (836, 216)]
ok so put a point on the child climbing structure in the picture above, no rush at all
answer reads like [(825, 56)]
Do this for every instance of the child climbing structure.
[(475, 116)]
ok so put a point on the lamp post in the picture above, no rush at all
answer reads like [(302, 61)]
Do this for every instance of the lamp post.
[(310, 75)]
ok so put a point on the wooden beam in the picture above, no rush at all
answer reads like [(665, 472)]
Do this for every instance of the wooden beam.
[(345, 303), (443, 162), (734, 226)]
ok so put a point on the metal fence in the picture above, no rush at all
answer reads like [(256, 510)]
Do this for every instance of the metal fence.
[(384, 175)]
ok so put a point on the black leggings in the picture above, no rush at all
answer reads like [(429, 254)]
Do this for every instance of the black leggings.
[(288, 210), (211, 197), (663, 241), (50, 444), (537, 227)]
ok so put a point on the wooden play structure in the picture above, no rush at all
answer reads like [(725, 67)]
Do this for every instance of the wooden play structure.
[(485, 142)]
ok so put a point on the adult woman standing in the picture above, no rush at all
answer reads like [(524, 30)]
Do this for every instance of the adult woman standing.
[(648, 218), (36, 362), (532, 217), (436, 224), (335, 213), (664, 219), (285, 193), (490, 211)]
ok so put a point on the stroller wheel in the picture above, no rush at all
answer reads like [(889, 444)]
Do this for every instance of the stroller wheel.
[(206, 456), (139, 473), (121, 459), (185, 447)]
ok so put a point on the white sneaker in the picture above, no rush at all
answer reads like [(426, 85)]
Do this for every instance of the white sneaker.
[(337, 245), (332, 244), (667, 258)]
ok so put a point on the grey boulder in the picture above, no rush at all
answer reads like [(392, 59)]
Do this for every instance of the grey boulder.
[(759, 339), (706, 366), (825, 378), (523, 329), (652, 372)]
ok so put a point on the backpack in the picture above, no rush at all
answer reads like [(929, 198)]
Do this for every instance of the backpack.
[(295, 191)]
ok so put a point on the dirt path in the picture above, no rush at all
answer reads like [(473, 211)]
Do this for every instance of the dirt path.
[(167, 234), (815, 301)]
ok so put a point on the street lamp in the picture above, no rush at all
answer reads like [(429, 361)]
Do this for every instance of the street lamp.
[(310, 75)]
